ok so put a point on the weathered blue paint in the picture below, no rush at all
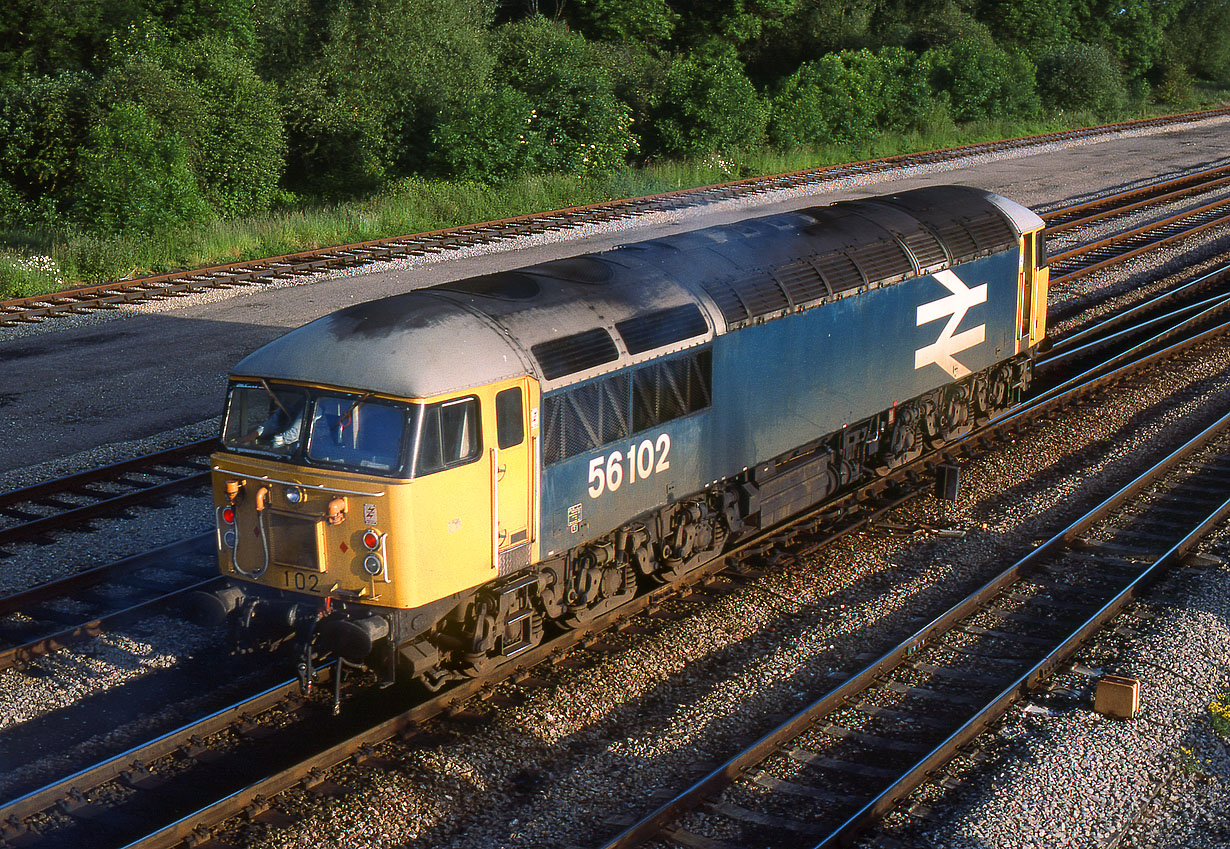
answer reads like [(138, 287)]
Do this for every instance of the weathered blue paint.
[(785, 382), (566, 484)]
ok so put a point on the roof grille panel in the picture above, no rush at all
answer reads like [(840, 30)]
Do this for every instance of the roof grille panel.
[(575, 353), (882, 260), (801, 281), (727, 300), (839, 271), (960, 244), (761, 294), (989, 231), (925, 247), (655, 329)]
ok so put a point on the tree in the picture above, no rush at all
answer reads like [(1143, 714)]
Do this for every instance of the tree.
[(707, 105), (136, 177), (577, 123)]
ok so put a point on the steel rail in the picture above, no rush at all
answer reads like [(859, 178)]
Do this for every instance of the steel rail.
[(653, 824), (20, 654), (80, 299), (1021, 687), (1181, 314), (168, 456), (1127, 316), (52, 492), (1131, 243), (81, 580), (1122, 203), (135, 759)]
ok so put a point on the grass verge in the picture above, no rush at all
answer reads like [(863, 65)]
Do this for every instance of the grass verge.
[(35, 262)]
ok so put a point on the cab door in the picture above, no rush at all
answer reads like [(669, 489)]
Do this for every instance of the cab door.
[(513, 472)]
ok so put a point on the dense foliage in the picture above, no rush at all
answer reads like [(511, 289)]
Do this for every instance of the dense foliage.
[(140, 116)]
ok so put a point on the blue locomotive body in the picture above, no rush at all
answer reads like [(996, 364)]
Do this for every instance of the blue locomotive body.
[(783, 383)]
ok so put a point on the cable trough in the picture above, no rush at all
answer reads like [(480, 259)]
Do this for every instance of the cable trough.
[(120, 293), (839, 764)]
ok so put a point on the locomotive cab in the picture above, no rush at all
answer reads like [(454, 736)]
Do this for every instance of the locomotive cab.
[(349, 513)]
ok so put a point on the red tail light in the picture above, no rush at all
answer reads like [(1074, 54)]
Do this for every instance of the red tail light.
[(228, 515), (371, 540)]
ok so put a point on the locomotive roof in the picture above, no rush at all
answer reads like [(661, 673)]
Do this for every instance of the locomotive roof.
[(573, 319)]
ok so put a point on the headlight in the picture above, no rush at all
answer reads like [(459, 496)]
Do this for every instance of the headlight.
[(372, 565)]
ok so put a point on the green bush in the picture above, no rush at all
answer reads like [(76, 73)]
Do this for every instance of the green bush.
[(43, 124), (707, 106), (136, 176), (239, 147), (849, 97), (1200, 36), (487, 136), (576, 123), (623, 20), (984, 81), (1174, 86), (204, 93), (1081, 77), (364, 83)]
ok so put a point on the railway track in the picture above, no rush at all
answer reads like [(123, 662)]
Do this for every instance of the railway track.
[(805, 537), (1165, 191), (113, 295), (834, 767), (1112, 250), (227, 761), (32, 512), (51, 616)]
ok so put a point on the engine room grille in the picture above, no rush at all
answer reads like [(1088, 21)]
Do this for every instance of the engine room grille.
[(839, 271), (990, 232), (670, 389), (594, 414), (574, 353), (655, 329), (925, 247), (883, 260), (801, 281)]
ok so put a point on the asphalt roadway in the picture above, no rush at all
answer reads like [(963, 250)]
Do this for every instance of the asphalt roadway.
[(66, 389)]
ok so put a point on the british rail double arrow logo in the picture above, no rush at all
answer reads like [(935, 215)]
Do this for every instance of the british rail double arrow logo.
[(942, 352)]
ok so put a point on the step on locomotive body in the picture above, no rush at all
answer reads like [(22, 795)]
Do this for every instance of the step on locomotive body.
[(428, 483)]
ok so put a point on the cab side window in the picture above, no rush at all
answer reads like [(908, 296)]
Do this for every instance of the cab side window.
[(509, 418), (449, 436)]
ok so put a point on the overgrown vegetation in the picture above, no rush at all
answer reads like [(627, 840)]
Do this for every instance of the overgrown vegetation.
[(139, 135)]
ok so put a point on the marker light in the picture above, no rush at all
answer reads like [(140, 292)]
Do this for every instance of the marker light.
[(294, 495), (372, 565), (371, 540), (228, 515)]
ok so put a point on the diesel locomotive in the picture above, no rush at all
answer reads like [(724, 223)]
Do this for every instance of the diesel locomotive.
[(427, 483)]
